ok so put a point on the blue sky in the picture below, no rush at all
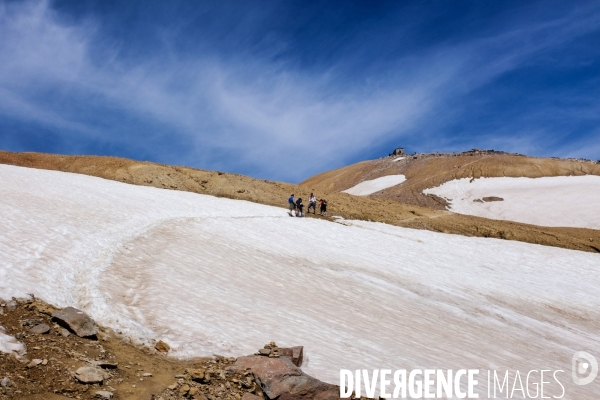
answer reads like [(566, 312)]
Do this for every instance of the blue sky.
[(284, 90)]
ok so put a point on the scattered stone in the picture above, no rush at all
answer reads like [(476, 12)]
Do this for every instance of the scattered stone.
[(296, 354), (34, 363), (105, 364), (89, 375), (40, 329), (11, 305), (19, 336), (64, 332), (197, 375), (173, 386), (184, 390), (32, 322), (43, 308), (147, 375), (76, 320), (193, 391), (273, 351), (5, 382), (44, 362), (162, 347), (103, 394), (492, 198), (280, 378)]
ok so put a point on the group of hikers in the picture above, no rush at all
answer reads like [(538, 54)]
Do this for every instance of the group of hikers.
[(296, 206)]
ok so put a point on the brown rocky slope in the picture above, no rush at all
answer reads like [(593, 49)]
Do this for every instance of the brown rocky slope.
[(425, 171), (59, 364), (386, 209)]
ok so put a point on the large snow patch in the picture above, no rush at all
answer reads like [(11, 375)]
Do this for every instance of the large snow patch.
[(366, 188), (211, 275), (569, 201)]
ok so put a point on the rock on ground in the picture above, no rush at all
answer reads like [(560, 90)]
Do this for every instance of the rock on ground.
[(40, 329), (103, 394), (89, 375), (162, 347), (5, 382), (76, 320), (280, 379), (105, 364)]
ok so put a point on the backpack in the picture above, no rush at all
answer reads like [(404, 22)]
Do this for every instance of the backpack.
[(324, 202)]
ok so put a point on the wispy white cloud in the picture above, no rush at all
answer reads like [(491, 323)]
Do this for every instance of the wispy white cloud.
[(275, 121)]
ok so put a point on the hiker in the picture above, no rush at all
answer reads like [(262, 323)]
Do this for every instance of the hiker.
[(323, 207), (312, 203), (299, 206), (292, 205)]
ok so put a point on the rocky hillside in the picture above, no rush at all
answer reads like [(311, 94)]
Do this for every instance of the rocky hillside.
[(63, 361), (425, 171)]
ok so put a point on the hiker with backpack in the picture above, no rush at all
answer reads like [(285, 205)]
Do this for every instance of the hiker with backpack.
[(312, 203), (292, 205), (299, 207), (323, 207)]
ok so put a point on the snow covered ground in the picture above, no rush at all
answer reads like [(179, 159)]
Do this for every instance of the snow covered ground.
[(8, 344), (375, 185), (211, 275), (570, 201)]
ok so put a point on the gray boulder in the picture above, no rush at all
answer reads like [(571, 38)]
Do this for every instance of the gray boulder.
[(89, 375), (77, 321), (41, 329)]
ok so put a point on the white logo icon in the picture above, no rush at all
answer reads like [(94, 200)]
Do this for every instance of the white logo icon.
[(584, 363)]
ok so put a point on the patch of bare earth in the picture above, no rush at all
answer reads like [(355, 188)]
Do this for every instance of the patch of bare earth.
[(408, 209)]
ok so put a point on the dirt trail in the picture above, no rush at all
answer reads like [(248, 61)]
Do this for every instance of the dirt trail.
[(409, 209)]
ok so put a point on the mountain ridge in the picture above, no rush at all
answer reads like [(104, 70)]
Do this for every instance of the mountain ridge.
[(370, 208)]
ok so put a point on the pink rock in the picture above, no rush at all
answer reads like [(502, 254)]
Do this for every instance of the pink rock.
[(296, 354), (250, 396), (280, 379)]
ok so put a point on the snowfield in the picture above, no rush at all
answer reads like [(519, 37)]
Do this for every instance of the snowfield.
[(366, 188), (218, 276), (568, 201)]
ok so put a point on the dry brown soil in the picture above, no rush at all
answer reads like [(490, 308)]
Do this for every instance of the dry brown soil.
[(381, 208)]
